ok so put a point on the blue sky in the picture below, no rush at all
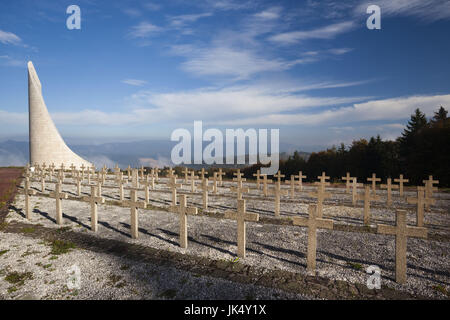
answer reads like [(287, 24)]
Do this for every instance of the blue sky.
[(140, 69)]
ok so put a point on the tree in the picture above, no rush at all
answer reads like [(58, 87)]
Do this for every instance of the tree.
[(440, 118)]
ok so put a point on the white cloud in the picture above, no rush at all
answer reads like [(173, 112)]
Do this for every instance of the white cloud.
[(427, 10), (9, 38), (182, 20), (144, 30), (11, 62), (327, 32), (269, 14), (134, 82)]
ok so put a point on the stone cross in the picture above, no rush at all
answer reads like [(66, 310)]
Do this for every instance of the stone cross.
[(146, 183), (135, 178), (347, 180), (241, 216), (202, 173), (355, 186), (321, 195), (220, 174), (313, 222), (93, 199), (258, 176), (93, 171), (421, 202), (89, 175), (104, 174), (99, 185), (215, 181), (401, 232), (82, 171), (157, 170), (152, 179), (73, 169), (279, 176), (134, 204), (43, 181), (277, 192), (193, 178), (183, 210), (186, 175), (400, 181), (265, 182), (291, 183), (171, 172), (367, 198), (172, 184), (142, 171), (239, 187), (323, 180), (58, 195), (374, 181), (128, 172), (28, 192), (52, 169), (120, 180), (429, 188), (389, 186), (78, 180), (300, 178), (61, 175)]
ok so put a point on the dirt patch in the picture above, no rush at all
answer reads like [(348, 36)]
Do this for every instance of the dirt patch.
[(10, 179)]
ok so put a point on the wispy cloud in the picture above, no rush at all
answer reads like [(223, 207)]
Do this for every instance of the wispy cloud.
[(182, 20), (11, 62), (134, 82), (144, 30), (327, 32), (9, 38)]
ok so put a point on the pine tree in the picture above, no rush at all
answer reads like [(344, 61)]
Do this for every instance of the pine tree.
[(440, 118), (417, 122)]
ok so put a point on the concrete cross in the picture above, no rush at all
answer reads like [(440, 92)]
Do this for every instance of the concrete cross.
[(202, 173), (321, 195), (142, 171), (121, 181), (135, 178), (170, 172), (400, 181), (146, 183), (193, 178), (89, 175), (93, 171), (173, 185), (186, 175), (291, 183), (265, 182), (93, 199), (239, 189), (313, 222), (421, 202), (128, 172), (429, 188), (300, 178), (323, 180), (220, 174), (389, 186), (103, 174), (279, 176), (78, 180), (258, 176), (355, 186), (58, 195), (374, 181), (99, 184), (241, 216), (52, 169), (73, 167), (28, 192), (43, 181), (367, 198), (61, 175), (205, 188), (134, 205), (347, 180), (183, 210), (215, 181), (157, 170), (277, 192), (82, 171), (401, 232)]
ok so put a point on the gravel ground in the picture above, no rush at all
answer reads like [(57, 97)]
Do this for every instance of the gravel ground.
[(340, 255)]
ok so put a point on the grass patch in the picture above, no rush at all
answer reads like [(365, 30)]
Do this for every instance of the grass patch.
[(168, 294), (28, 229), (356, 266), (3, 225), (61, 247), (2, 252), (441, 289), (63, 229), (27, 253), (12, 289), (18, 278)]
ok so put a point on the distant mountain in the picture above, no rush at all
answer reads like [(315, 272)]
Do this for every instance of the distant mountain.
[(137, 153)]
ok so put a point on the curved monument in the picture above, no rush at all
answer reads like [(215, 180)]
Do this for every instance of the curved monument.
[(46, 144)]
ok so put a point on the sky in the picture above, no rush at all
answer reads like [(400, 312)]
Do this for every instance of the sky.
[(137, 70)]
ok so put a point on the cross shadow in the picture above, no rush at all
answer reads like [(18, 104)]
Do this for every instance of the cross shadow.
[(45, 215), (144, 231), (190, 239), (108, 226), (17, 210), (74, 219)]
